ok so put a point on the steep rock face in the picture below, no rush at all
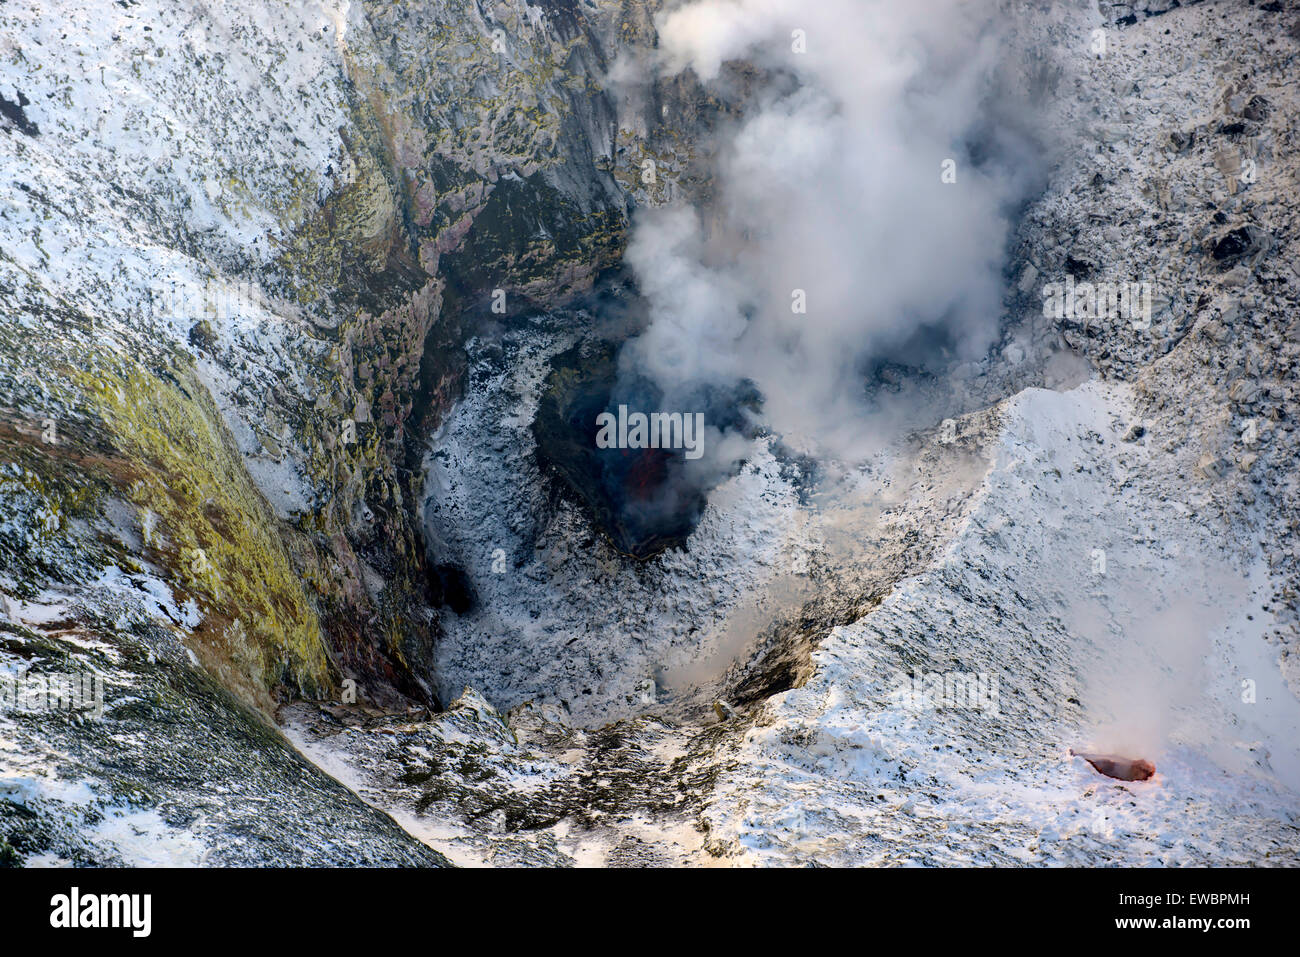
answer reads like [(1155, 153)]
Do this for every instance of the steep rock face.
[(239, 250), (1196, 162), (174, 771), (300, 210)]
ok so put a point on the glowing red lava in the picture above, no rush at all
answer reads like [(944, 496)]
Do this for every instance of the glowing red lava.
[(1122, 769), (647, 474)]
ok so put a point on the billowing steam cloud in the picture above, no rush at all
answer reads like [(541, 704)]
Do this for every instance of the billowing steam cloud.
[(831, 194)]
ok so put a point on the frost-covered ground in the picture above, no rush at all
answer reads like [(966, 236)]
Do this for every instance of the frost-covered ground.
[(168, 770), (142, 96)]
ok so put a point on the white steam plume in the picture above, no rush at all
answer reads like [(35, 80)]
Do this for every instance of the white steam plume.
[(831, 185)]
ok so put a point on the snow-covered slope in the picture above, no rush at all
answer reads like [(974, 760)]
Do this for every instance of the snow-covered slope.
[(1111, 620)]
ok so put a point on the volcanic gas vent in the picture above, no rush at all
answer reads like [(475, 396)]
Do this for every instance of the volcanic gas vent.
[(641, 471)]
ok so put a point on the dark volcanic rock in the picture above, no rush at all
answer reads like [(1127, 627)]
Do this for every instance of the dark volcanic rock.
[(1236, 245), (13, 112), (637, 497), (176, 770), (644, 500)]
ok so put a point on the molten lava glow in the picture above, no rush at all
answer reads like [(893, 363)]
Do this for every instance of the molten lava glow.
[(647, 473), (1122, 769)]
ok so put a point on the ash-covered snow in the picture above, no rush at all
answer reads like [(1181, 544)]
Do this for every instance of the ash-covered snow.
[(117, 832)]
